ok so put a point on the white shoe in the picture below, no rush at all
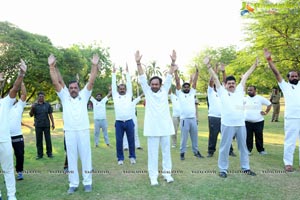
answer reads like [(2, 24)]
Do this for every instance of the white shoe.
[(153, 181), (169, 179), (173, 146), (263, 153), (132, 161), (120, 162), (11, 198)]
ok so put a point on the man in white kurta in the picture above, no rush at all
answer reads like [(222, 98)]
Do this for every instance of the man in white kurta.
[(157, 123), (175, 117), (291, 93), (76, 124)]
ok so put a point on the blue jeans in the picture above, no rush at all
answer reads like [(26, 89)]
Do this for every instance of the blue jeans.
[(128, 127)]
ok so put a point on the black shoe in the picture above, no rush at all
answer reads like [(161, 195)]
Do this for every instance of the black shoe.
[(139, 148), (50, 156), (125, 149), (198, 155), (39, 157), (249, 172), (223, 175), (232, 154), (209, 155), (182, 156)]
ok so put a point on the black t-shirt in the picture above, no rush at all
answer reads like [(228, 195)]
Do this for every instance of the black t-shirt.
[(41, 114)]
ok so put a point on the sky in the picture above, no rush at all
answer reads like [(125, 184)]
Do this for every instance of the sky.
[(155, 27)]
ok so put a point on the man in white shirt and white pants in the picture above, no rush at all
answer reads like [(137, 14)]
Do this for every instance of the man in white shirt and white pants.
[(157, 123), (291, 93), (76, 124), (6, 152)]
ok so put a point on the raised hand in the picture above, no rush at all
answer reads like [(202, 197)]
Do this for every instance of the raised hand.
[(95, 59), (206, 61), (1, 76), (113, 68), (222, 67), (23, 67), (138, 57), (267, 54), (51, 60), (173, 57), (127, 71)]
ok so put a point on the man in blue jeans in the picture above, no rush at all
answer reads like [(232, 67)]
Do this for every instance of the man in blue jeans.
[(122, 96)]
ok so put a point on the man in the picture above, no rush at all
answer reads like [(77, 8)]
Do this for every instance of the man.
[(291, 93), (232, 119), (175, 117), (254, 119), (214, 116), (157, 120), (188, 121), (6, 156), (100, 122), (122, 96), (15, 119), (135, 121), (275, 100), (42, 111), (76, 124)]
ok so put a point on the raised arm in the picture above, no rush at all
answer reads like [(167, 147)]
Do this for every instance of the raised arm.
[(177, 80), (94, 71), (23, 92), (222, 69), (138, 58), (213, 74), (128, 81), (195, 77), (173, 67), (248, 73), (14, 90), (272, 65), (1, 80), (53, 73)]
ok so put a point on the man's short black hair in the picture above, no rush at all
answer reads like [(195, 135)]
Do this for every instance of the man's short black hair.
[(73, 81), (41, 93), (252, 86), (186, 83), (230, 78), (156, 77), (288, 75)]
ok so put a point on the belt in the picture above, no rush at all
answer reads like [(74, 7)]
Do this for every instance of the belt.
[(17, 140), (123, 120), (275, 103)]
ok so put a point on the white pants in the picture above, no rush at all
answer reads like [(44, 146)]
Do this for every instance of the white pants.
[(78, 142), (7, 165), (136, 136), (292, 133), (153, 147)]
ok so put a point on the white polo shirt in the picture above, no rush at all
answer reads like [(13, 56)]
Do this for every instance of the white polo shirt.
[(99, 108), (187, 103), (5, 105), (122, 103), (253, 107), (15, 118), (158, 121), (232, 112), (291, 95), (215, 105), (75, 113)]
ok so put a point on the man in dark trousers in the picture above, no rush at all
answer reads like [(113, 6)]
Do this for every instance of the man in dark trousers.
[(42, 111)]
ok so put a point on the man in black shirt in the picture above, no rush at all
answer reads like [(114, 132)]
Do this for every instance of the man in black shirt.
[(42, 111)]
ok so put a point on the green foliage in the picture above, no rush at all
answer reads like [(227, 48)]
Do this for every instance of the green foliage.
[(35, 49)]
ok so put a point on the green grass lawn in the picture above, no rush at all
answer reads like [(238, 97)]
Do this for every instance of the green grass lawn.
[(194, 178)]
